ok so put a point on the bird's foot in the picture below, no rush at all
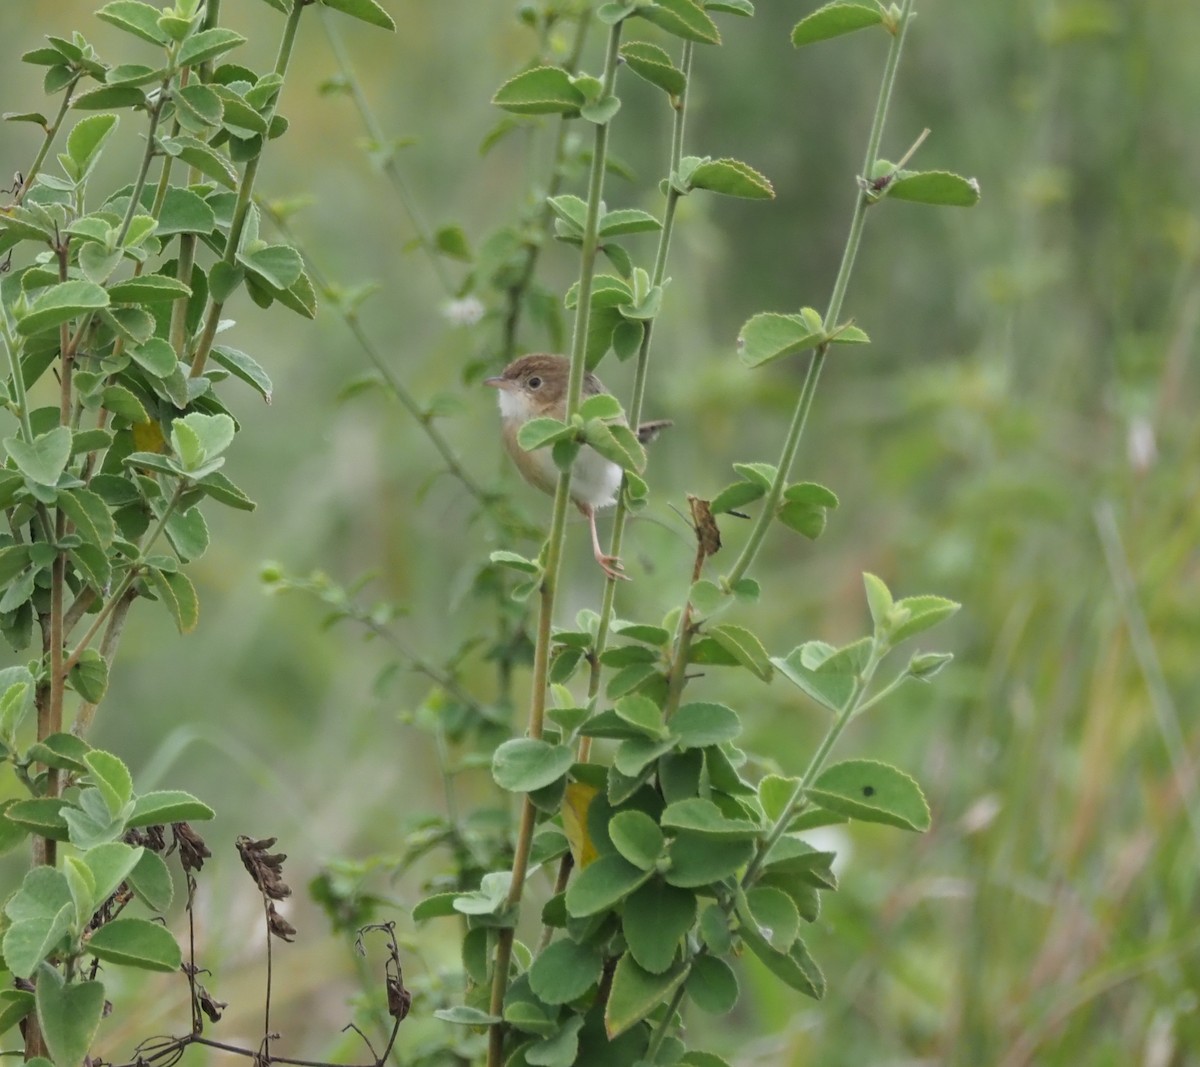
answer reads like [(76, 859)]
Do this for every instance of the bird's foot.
[(612, 566)]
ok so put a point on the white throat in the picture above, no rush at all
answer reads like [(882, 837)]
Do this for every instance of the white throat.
[(514, 405)]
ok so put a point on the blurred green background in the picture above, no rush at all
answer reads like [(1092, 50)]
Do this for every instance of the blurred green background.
[(1029, 386)]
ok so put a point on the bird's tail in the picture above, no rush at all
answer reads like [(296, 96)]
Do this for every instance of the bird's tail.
[(648, 431)]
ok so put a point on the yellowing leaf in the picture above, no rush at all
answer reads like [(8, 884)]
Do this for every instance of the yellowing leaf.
[(148, 437), (578, 799)]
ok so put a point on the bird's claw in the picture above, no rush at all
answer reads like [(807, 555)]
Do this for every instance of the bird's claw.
[(613, 567)]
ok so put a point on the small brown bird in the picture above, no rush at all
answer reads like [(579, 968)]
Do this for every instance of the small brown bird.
[(535, 386)]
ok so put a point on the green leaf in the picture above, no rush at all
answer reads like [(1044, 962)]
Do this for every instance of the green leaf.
[(700, 816), (134, 17), (208, 44), (699, 859), (539, 91), (452, 241), (43, 461), (915, 614), (833, 20), (188, 533), (167, 805), (879, 600), (110, 864), (98, 262), (195, 153), (89, 677), (136, 943), (64, 751), (652, 63), (637, 838), (41, 913), (111, 777), (122, 96), (87, 139), (537, 433), (654, 920), (42, 815), (736, 496), (515, 562), (90, 515), (635, 755), (732, 177), (938, 187), (438, 906), (712, 985), (120, 401), (830, 680), (768, 336), (198, 439), (565, 970), (795, 967), (69, 1015), (156, 357), (523, 764), (489, 899), (602, 884), (277, 265), (363, 10), (147, 288), (744, 8), (699, 725), (774, 914), (15, 1005), (198, 106), (176, 591), (184, 211), (872, 792), (637, 631), (13, 560), (244, 367), (601, 406), (558, 1049), (745, 648), (635, 993), (61, 303), (151, 881), (615, 442), (222, 489), (845, 334), (601, 112), (683, 18)]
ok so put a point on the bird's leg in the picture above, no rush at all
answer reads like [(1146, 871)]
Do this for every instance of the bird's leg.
[(611, 565)]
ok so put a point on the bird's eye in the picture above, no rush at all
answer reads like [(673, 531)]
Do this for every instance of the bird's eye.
[(535, 382)]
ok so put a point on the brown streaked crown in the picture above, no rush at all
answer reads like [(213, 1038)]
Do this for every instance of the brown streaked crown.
[(546, 377)]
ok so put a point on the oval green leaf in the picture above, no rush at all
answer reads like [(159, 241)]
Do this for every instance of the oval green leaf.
[(833, 20), (871, 791), (524, 764)]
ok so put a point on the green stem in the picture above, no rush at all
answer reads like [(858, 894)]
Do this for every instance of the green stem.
[(854, 704), (139, 183), (804, 403), (245, 193), (534, 245), (558, 530), (11, 350), (408, 200), (130, 577), (641, 371), (664, 1024), (51, 133)]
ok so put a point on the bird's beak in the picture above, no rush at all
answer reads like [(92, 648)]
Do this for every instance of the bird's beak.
[(498, 383)]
